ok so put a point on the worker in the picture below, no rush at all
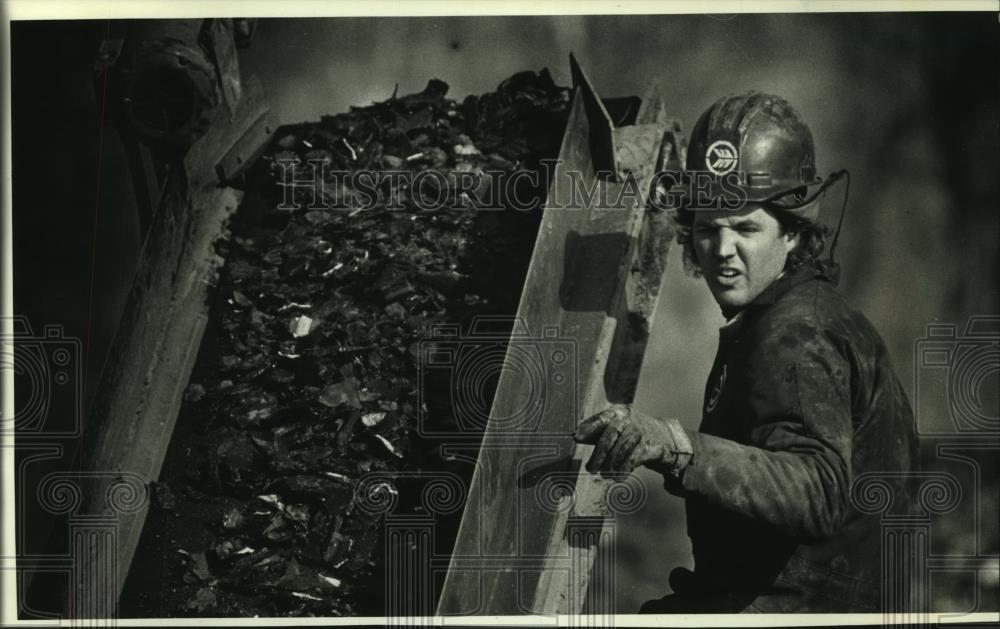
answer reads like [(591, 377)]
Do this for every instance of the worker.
[(801, 399)]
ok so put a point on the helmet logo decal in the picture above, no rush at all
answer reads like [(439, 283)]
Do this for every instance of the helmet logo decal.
[(721, 157)]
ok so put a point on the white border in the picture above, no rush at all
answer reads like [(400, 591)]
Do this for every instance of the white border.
[(96, 9), (621, 620), (121, 9), (8, 575)]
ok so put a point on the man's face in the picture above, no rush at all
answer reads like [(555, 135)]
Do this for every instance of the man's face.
[(740, 252)]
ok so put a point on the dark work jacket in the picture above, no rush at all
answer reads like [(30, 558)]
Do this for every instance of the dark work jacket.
[(802, 398)]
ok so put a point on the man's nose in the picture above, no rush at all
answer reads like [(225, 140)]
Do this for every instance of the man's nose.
[(725, 244)]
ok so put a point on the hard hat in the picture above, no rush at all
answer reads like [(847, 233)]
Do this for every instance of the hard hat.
[(767, 143)]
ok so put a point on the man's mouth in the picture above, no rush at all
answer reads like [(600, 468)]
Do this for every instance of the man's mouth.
[(727, 276)]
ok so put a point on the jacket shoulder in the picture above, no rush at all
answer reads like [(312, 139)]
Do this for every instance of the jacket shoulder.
[(814, 314)]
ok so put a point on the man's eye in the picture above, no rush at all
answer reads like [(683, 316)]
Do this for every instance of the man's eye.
[(747, 229)]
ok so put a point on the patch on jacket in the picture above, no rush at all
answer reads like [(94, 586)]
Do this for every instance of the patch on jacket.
[(716, 394)]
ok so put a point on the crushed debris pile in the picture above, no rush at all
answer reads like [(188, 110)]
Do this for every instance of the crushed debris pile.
[(308, 377)]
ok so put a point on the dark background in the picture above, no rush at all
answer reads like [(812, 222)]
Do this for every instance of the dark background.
[(907, 102)]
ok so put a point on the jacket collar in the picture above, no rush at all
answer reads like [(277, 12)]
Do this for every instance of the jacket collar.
[(818, 270)]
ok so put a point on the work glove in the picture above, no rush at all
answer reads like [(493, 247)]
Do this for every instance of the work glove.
[(625, 438)]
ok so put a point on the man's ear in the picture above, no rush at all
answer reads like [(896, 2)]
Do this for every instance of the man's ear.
[(791, 240)]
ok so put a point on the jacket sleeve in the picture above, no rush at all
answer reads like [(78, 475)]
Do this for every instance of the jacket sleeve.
[(795, 472)]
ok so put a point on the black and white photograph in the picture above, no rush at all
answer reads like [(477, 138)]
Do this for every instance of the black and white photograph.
[(546, 314)]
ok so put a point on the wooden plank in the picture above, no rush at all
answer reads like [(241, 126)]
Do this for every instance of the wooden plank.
[(520, 549), (151, 359)]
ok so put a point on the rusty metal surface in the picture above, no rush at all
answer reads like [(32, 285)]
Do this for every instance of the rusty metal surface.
[(520, 549)]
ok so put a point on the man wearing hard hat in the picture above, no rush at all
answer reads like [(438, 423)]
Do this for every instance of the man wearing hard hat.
[(800, 401)]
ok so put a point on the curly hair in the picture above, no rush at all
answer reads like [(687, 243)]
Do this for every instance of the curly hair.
[(812, 237)]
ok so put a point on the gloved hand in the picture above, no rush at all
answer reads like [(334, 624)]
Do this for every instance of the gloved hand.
[(625, 438)]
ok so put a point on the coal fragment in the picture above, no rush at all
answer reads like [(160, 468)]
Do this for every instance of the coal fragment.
[(340, 394)]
